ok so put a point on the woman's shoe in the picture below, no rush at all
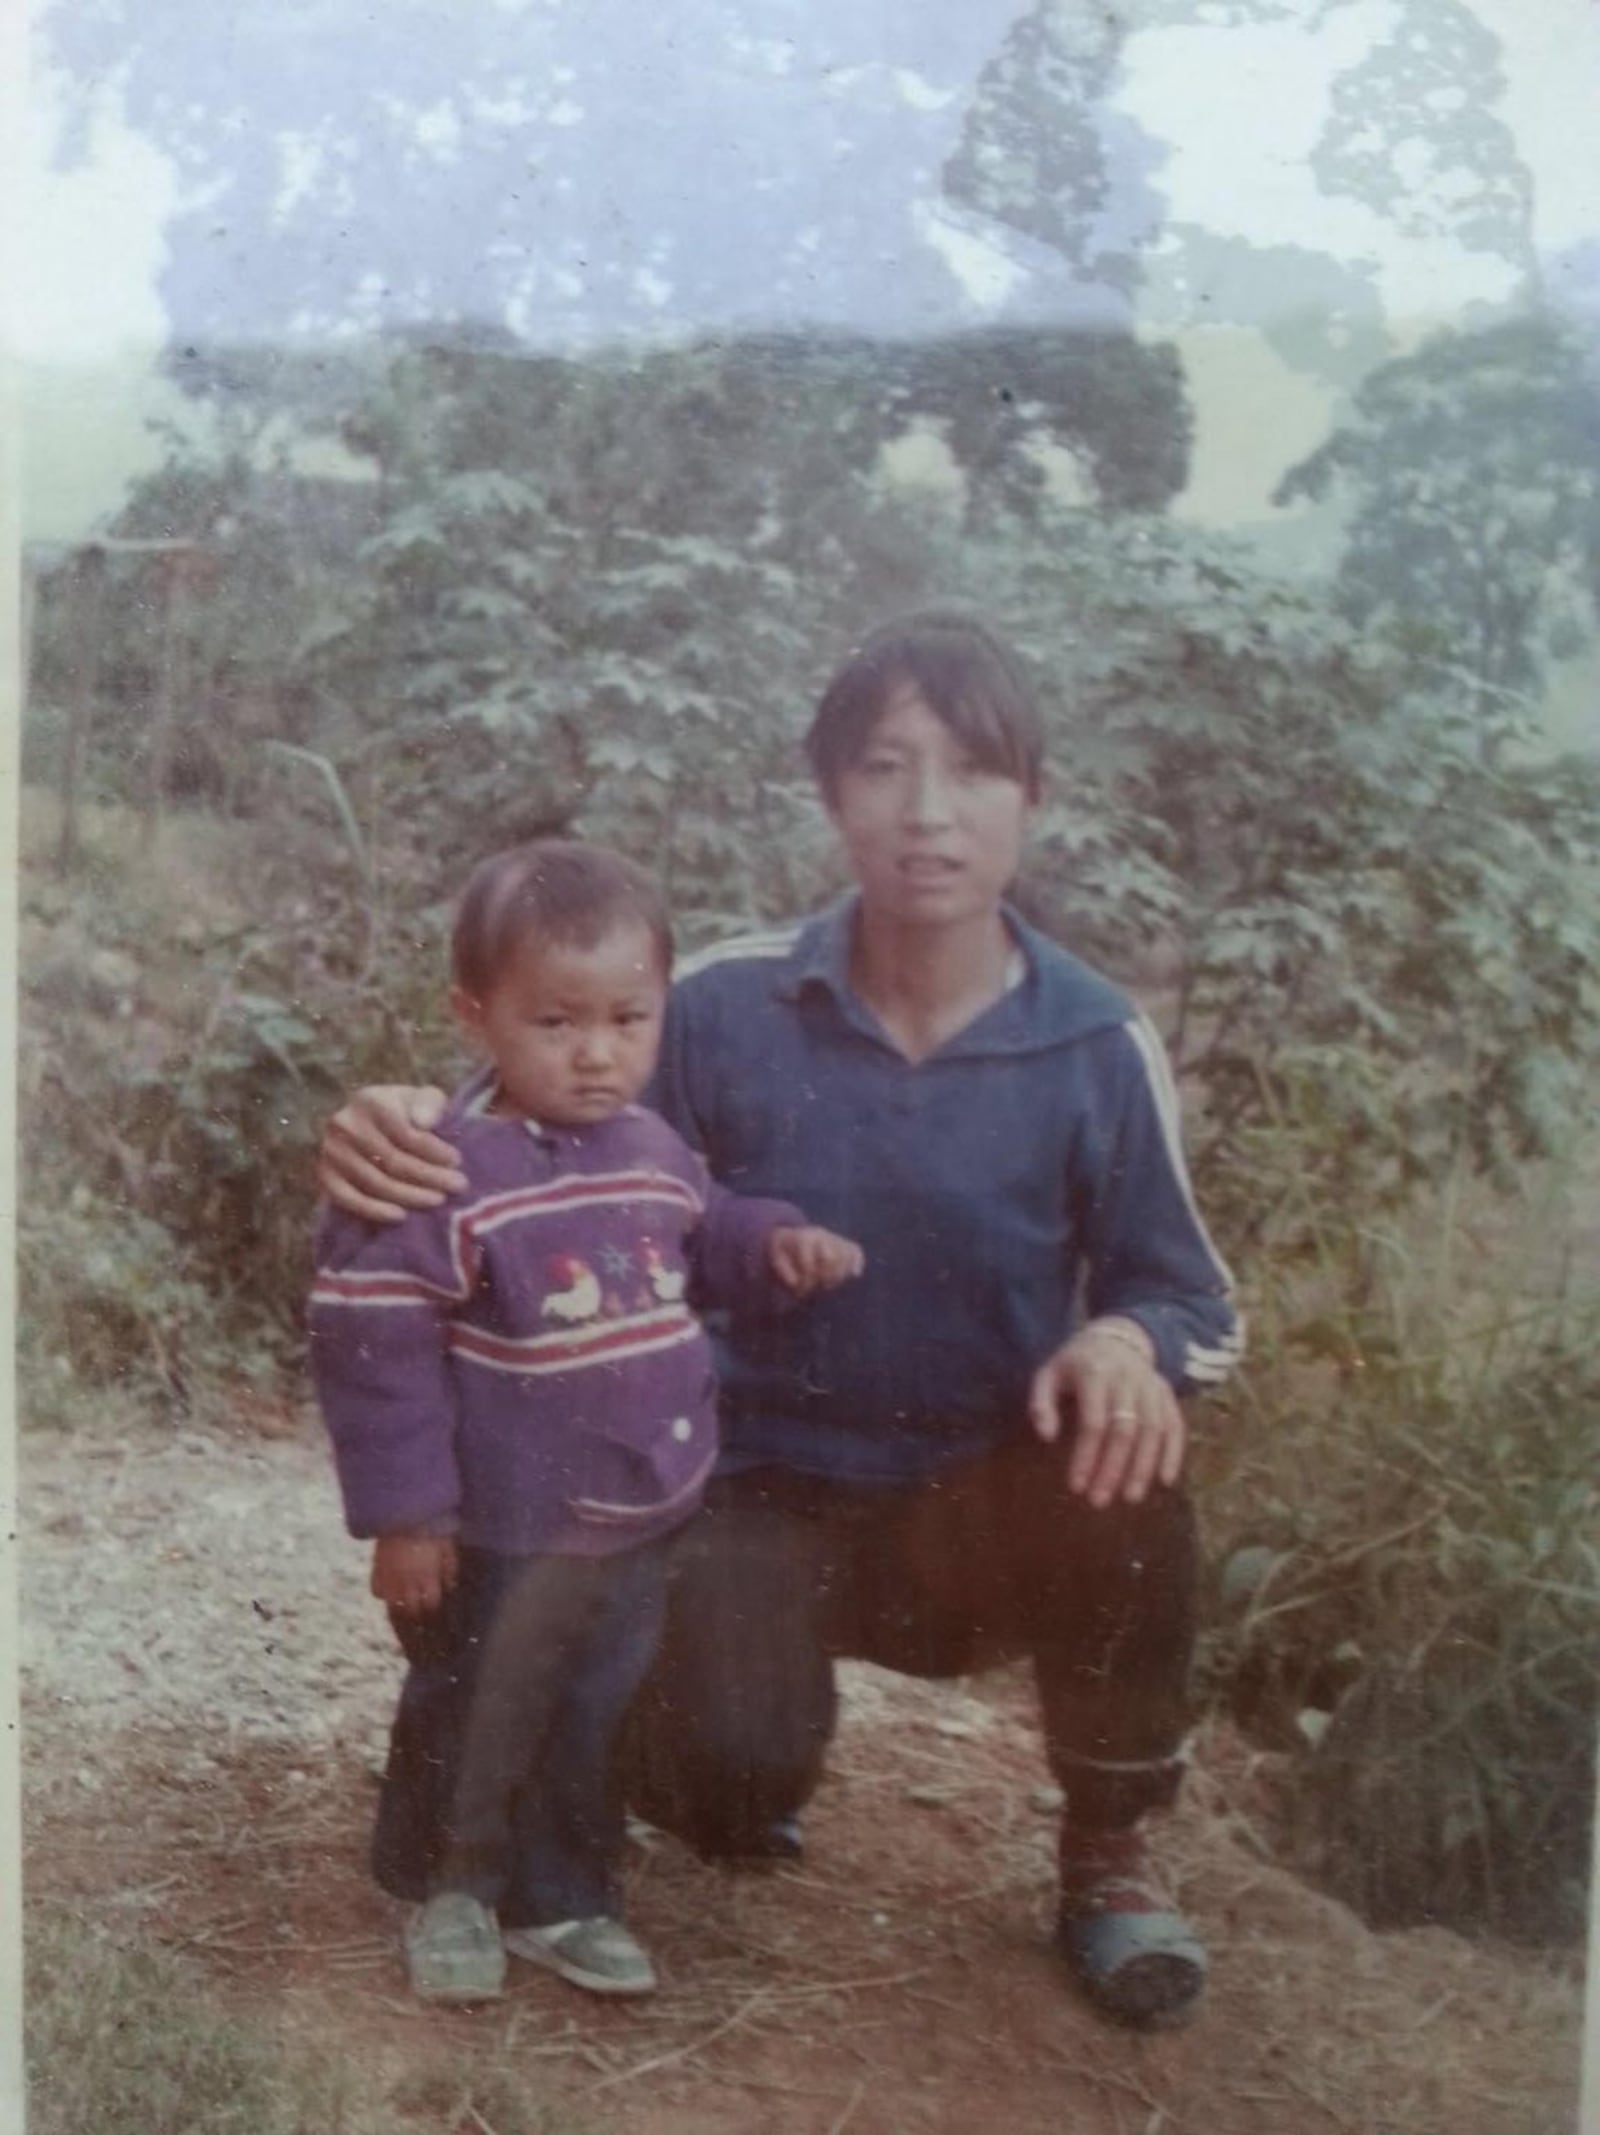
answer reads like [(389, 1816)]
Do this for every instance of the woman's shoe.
[(1134, 1954), (780, 1844)]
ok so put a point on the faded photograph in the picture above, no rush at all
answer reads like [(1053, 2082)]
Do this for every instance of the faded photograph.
[(809, 1330)]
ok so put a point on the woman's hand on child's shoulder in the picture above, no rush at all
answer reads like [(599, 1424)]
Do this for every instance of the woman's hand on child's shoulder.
[(377, 1157), (805, 1258)]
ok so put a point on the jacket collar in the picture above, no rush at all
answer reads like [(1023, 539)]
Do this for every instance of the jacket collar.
[(1059, 998)]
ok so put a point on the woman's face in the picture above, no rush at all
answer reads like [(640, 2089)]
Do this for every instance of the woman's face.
[(933, 838)]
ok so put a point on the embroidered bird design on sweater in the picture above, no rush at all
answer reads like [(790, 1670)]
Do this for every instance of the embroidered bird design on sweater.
[(579, 1296), (666, 1284)]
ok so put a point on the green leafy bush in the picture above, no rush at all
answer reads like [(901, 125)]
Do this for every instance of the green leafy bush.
[(1403, 1510), (177, 1065), (103, 1300), (1378, 953)]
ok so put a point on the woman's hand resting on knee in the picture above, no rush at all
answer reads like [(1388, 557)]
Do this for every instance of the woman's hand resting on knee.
[(1128, 1428)]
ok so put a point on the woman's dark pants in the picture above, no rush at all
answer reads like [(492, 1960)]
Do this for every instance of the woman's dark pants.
[(991, 1561)]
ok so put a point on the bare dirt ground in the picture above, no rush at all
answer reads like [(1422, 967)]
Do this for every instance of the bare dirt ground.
[(206, 1691)]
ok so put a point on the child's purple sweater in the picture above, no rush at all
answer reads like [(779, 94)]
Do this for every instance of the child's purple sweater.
[(522, 1366)]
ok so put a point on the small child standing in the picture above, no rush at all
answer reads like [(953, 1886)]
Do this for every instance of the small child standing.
[(522, 1407)]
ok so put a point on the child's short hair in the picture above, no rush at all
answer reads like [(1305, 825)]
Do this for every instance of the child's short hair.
[(554, 890), (964, 674)]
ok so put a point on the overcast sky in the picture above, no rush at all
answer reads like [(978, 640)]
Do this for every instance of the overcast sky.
[(1235, 109)]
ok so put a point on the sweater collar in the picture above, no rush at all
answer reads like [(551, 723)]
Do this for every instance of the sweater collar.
[(474, 1101)]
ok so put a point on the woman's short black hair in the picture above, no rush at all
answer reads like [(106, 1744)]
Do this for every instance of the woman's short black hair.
[(962, 672), (550, 890)]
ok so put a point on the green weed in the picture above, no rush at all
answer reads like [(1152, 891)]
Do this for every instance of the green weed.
[(176, 1068), (1404, 1509)]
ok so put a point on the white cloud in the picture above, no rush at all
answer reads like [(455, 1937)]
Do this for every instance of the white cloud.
[(439, 128), (1246, 171), (510, 108), (1552, 61), (90, 239), (836, 81), (904, 84), (775, 54), (917, 91), (301, 159), (987, 275)]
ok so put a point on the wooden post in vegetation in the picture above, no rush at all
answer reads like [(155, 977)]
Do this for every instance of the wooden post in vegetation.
[(88, 579), (182, 572)]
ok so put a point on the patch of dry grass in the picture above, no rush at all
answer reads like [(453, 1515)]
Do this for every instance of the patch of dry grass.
[(126, 2040), (129, 2038)]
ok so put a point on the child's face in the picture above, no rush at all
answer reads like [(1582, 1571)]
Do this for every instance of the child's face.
[(573, 1033)]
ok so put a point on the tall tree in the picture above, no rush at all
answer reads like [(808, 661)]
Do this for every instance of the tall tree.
[(1052, 148), (1471, 474), (1117, 405), (1412, 131), (1042, 152)]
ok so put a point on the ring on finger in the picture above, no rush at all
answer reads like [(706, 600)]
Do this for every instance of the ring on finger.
[(1124, 1415)]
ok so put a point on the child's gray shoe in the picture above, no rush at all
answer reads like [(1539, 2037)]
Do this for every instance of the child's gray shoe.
[(598, 1954), (454, 1951)]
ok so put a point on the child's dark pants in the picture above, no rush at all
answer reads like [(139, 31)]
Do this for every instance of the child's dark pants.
[(991, 1561), (501, 1777)]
